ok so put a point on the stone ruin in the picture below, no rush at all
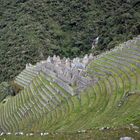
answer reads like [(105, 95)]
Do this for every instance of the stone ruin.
[(68, 73)]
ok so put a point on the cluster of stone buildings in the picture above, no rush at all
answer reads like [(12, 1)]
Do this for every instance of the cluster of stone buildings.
[(69, 74)]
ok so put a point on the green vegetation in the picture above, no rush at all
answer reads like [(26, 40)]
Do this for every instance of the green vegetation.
[(5, 90), (112, 102), (30, 30), (90, 134)]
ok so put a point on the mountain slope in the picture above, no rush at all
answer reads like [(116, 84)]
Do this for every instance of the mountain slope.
[(51, 103), (30, 30)]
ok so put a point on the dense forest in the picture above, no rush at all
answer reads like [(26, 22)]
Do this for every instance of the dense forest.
[(30, 30)]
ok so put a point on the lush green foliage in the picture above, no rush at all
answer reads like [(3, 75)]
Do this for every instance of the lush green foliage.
[(30, 30), (5, 90)]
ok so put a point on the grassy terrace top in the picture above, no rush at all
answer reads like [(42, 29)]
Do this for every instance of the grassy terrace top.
[(112, 101)]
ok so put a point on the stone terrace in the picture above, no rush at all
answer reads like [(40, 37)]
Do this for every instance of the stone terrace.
[(69, 74)]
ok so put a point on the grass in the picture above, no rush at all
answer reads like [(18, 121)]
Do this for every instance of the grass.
[(113, 101)]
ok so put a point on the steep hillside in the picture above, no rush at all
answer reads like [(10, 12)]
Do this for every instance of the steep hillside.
[(30, 30), (66, 95), (5, 90)]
